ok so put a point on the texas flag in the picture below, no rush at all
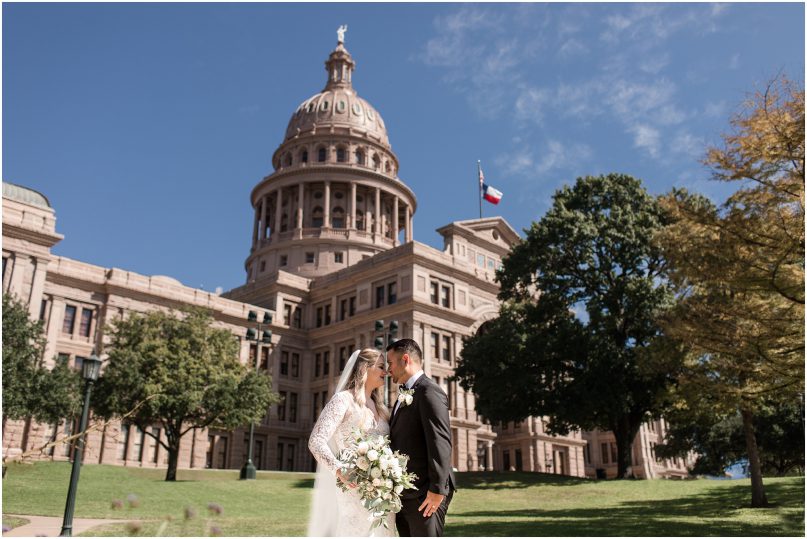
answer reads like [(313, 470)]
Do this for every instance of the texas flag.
[(491, 195)]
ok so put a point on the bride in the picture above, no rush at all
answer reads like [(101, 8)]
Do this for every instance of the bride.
[(358, 402)]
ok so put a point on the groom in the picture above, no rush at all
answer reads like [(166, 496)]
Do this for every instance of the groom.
[(420, 428)]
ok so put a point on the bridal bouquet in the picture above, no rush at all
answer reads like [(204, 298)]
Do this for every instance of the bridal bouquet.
[(379, 472)]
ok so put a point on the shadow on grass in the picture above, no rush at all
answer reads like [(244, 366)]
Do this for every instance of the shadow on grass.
[(705, 514), (303, 483), (511, 480)]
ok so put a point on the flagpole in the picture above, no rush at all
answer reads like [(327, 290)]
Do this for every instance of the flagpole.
[(479, 175)]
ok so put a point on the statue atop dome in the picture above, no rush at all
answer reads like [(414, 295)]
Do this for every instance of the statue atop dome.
[(340, 34)]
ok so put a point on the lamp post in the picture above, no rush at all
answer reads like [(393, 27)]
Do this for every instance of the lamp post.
[(257, 335), (89, 371), (381, 342)]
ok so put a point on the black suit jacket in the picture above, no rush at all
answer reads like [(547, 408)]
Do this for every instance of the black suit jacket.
[(422, 431)]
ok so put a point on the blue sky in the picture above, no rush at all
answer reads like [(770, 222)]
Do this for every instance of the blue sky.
[(147, 125)]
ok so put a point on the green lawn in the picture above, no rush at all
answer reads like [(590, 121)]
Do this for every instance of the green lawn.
[(487, 504), (14, 522)]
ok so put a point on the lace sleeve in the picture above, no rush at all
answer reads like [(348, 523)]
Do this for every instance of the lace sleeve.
[(324, 429)]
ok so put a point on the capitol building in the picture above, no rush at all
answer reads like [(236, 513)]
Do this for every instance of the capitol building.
[(332, 251)]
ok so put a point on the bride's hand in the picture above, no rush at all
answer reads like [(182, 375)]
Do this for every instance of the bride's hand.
[(345, 480)]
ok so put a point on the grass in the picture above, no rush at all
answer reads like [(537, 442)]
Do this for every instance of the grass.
[(14, 522), (487, 504)]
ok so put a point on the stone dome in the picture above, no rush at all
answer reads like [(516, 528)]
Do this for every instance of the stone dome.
[(338, 106)]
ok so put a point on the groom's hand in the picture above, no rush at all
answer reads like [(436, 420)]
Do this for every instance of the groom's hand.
[(431, 503)]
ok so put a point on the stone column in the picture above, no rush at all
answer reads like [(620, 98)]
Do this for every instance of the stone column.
[(377, 213), (489, 463), (395, 220), (262, 234), (326, 214), (408, 224), (55, 321), (300, 193), (352, 223), (255, 226), (37, 287), (278, 210)]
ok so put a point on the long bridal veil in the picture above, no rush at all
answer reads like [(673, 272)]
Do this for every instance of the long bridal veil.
[(324, 511)]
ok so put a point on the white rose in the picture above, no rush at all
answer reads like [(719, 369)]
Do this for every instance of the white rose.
[(375, 473), (362, 463), (387, 451), (363, 447), (389, 483), (398, 489), (384, 464), (387, 496), (377, 482), (372, 454), (409, 399), (396, 473)]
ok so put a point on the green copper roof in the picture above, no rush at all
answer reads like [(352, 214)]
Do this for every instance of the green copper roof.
[(25, 195)]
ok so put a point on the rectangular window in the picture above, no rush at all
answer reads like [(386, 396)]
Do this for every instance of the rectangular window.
[(63, 358), (343, 309), (342, 358), (298, 317), (506, 460), (327, 315), (587, 453), (263, 266), (445, 297), (309, 258), (281, 407), (338, 258), (290, 457), (265, 358), (480, 260), (352, 308), (69, 319), (43, 308), (284, 363), (280, 456), (604, 450), (447, 348), (392, 293), (326, 363), (138, 444), (491, 264), (613, 453), (293, 407), (435, 346), (319, 317), (434, 291), (295, 365), (78, 363), (284, 260), (287, 314), (519, 462), (379, 296), (317, 364)]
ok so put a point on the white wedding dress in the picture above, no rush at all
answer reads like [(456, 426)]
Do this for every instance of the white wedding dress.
[(341, 513)]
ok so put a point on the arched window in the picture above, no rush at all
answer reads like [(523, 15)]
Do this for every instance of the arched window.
[(338, 217), (359, 220), (387, 167), (287, 160), (376, 162), (340, 155), (322, 154), (316, 217), (359, 157), (304, 156)]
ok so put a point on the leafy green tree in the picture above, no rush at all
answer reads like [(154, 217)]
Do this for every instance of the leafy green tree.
[(739, 268), (31, 390), (591, 254), (181, 372)]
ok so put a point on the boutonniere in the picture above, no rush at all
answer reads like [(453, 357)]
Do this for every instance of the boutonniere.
[(406, 396)]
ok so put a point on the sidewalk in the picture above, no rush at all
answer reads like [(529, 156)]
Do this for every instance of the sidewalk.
[(51, 526)]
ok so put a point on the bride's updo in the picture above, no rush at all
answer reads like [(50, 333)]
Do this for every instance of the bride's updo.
[(366, 359)]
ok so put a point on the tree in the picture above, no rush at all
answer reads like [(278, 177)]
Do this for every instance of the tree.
[(592, 254), (739, 268), (180, 372), (30, 389)]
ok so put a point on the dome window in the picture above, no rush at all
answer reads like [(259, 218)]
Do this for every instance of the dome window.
[(310, 107), (387, 167), (338, 195), (370, 114), (322, 154), (317, 195), (359, 157), (316, 217), (341, 106), (340, 155), (356, 109), (324, 106), (338, 217), (376, 162), (304, 156)]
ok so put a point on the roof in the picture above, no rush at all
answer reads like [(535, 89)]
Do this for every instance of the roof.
[(25, 195)]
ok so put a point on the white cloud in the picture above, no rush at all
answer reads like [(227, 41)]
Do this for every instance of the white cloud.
[(686, 144), (647, 138), (734, 62), (572, 47), (530, 104), (715, 110)]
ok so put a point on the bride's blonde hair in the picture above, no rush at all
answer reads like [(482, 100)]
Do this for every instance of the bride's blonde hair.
[(358, 378)]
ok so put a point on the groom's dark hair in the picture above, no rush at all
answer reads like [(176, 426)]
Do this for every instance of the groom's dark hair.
[(407, 346)]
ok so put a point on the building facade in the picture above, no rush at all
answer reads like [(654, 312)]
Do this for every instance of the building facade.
[(332, 252)]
